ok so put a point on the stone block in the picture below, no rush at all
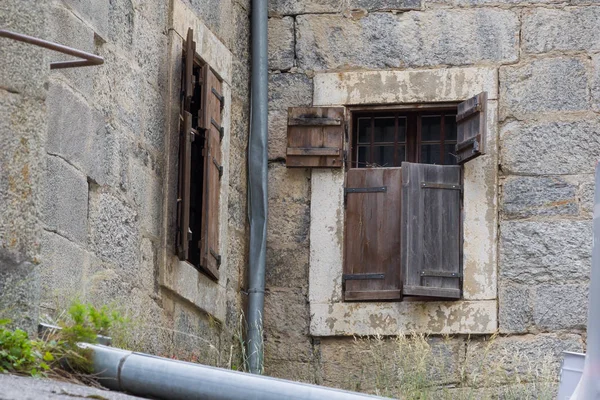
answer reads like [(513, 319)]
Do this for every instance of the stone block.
[(67, 29), (385, 5), (20, 287), (146, 190), (114, 230), (292, 370), (515, 311), (22, 126), (63, 271), (294, 7), (94, 12), (288, 227), (65, 206), (586, 196), (559, 306), (120, 23), (544, 86), (155, 119), (285, 90), (149, 44), (286, 312), (596, 82), (534, 252), (526, 196), (550, 148), (281, 43), (504, 360), (568, 29), (414, 39), (23, 67)]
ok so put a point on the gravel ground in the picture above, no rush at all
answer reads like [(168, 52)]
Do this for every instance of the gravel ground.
[(24, 388)]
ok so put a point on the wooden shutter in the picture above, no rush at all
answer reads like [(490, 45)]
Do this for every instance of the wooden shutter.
[(431, 230), (213, 172), (372, 237), (471, 128), (315, 137), (185, 148)]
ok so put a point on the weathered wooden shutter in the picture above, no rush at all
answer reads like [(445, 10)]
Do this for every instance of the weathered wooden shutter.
[(471, 128), (431, 230), (185, 149), (315, 137), (213, 172), (372, 237)]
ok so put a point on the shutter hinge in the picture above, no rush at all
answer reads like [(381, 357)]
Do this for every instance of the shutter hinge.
[(360, 277), (219, 167), (219, 97), (440, 274), (216, 256), (219, 128), (377, 189)]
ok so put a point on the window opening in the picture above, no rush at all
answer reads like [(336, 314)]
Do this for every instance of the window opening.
[(386, 139)]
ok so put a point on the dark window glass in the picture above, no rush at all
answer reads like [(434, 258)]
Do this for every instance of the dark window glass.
[(364, 130), (383, 156), (385, 130), (430, 128)]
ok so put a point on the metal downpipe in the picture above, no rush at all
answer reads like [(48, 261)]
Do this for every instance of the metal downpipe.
[(161, 378), (257, 186), (589, 385)]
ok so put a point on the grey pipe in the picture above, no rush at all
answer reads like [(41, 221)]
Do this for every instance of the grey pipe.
[(157, 377), (257, 186), (589, 385)]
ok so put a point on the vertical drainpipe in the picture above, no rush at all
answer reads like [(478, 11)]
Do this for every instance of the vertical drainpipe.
[(257, 186), (589, 385)]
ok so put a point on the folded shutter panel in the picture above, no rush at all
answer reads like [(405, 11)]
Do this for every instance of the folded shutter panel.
[(185, 149), (213, 169), (431, 230), (471, 128), (372, 234), (315, 137)]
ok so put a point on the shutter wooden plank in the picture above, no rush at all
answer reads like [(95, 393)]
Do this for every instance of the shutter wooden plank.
[(471, 128), (183, 207), (372, 234), (209, 243), (190, 51), (320, 129), (431, 230)]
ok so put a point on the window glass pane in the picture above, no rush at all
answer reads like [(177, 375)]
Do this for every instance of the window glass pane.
[(364, 157), (384, 130), (450, 127), (402, 129), (400, 155), (364, 130), (430, 154), (430, 128), (383, 156), (450, 156)]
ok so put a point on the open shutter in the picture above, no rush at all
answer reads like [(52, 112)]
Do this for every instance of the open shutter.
[(471, 128), (431, 230), (185, 149), (213, 172), (372, 238), (315, 137)]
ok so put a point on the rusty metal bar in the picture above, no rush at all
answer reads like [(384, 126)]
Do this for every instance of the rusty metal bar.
[(88, 58)]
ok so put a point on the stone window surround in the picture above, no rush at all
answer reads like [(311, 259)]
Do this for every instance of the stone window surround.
[(476, 312), (177, 276)]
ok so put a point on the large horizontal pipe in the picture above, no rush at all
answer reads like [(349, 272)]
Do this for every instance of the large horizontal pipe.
[(162, 378)]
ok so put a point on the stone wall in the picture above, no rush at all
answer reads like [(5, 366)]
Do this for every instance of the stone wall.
[(84, 201), (547, 57)]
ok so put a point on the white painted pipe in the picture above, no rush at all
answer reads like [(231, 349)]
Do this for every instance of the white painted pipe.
[(589, 385), (162, 378)]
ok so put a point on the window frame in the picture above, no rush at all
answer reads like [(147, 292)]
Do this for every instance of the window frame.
[(354, 112)]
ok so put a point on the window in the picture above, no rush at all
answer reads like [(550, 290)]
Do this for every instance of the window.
[(200, 168), (386, 139), (402, 194)]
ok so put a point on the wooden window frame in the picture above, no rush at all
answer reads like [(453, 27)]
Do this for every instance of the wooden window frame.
[(413, 135)]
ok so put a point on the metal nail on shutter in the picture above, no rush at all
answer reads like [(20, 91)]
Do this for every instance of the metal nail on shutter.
[(431, 230), (471, 128), (372, 236), (213, 167), (315, 137)]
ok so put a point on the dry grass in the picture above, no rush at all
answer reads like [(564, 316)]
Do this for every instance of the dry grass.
[(417, 367)]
